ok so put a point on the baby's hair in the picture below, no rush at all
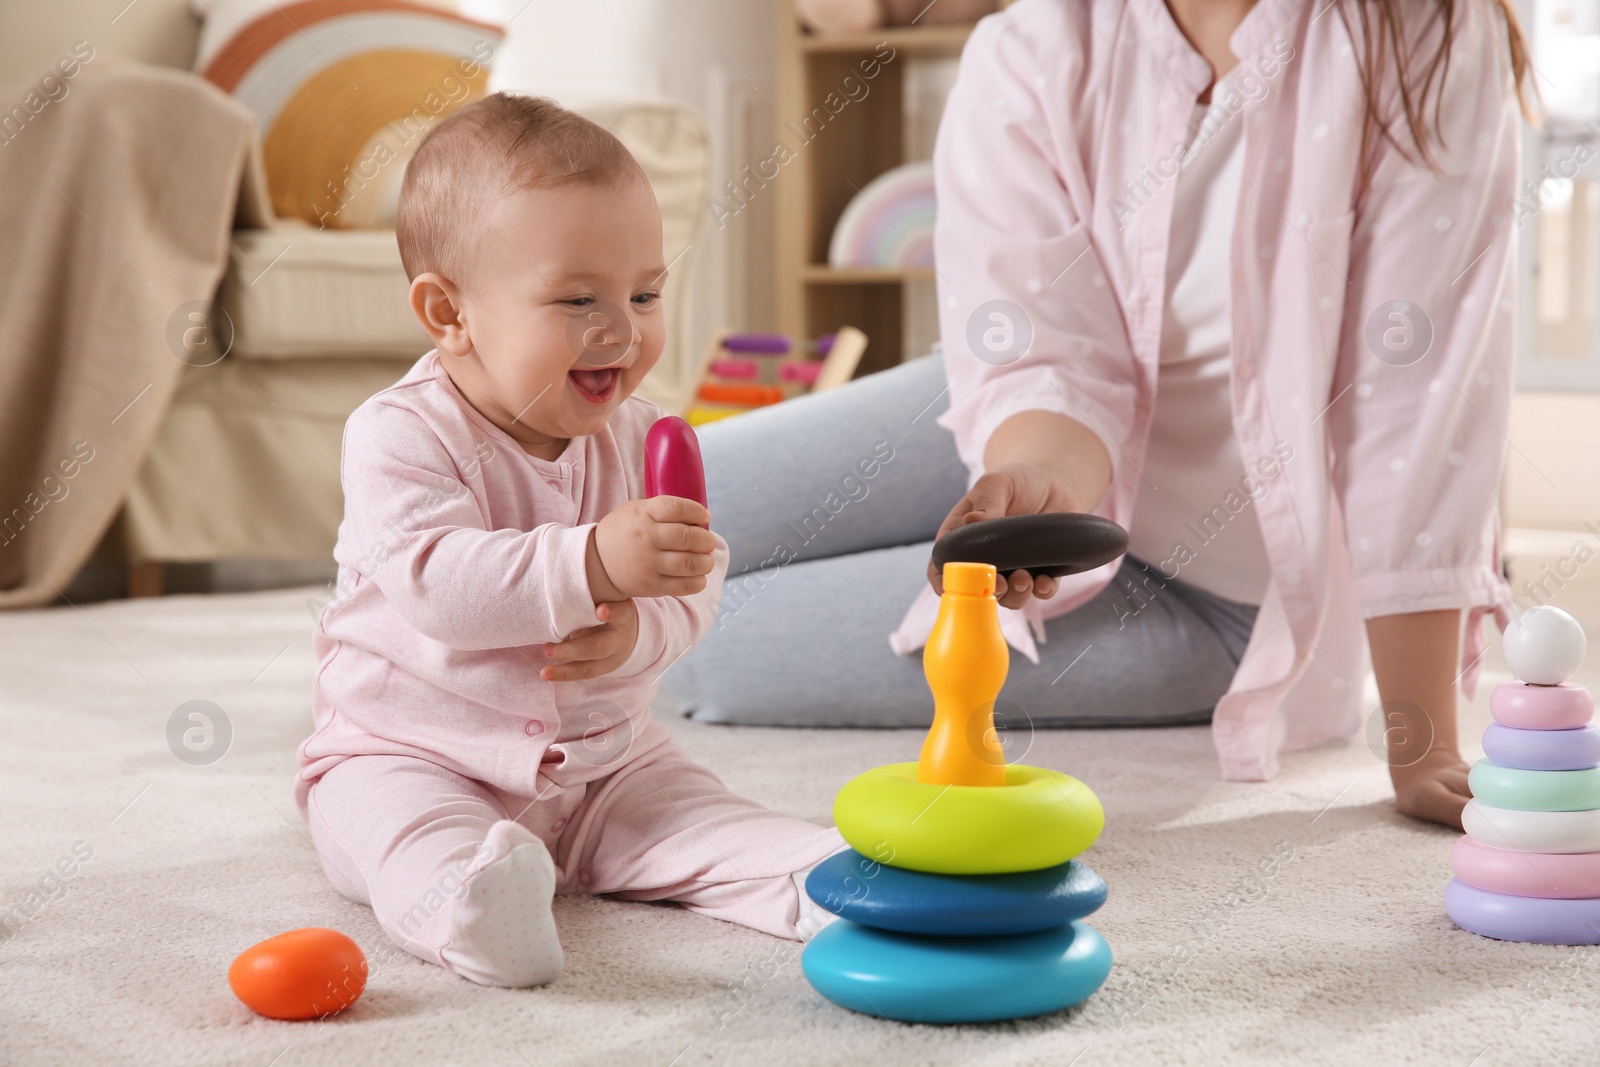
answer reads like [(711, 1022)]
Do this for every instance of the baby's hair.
[(493, 146)]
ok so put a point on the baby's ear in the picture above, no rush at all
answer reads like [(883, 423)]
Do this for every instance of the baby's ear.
[(436, 302)]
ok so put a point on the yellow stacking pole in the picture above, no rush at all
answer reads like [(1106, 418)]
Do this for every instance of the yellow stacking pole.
[(965, 662)]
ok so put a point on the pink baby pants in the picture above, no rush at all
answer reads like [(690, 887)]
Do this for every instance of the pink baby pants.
[(406, 836)]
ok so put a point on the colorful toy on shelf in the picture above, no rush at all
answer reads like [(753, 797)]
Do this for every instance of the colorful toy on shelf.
[(743, 371), (672, 463), (1528, 868), (962, 899), (303, 974)]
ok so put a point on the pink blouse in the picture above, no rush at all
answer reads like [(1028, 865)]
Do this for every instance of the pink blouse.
[(1372, 341)]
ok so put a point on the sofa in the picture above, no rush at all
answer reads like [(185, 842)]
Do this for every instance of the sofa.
[(246, 463)]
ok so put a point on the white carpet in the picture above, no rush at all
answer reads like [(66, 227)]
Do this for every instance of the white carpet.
[(1337, 953)]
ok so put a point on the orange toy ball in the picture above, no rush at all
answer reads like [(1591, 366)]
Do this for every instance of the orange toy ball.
[(303, 974)]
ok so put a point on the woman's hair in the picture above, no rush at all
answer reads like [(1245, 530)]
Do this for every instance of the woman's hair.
[(1419, 56)]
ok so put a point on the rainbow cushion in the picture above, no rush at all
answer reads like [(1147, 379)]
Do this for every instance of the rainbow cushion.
[(343, 92), (889, 223)]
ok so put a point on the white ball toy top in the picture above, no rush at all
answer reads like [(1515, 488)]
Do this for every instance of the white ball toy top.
[(1544, 645)]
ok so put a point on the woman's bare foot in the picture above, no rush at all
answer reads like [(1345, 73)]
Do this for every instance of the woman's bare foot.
[(1433, 789)]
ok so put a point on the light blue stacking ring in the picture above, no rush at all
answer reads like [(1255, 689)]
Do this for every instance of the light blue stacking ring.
[(1519, 790), (1543, 750), (921, 979)]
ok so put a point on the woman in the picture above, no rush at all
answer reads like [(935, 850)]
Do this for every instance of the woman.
[(1287, 220)]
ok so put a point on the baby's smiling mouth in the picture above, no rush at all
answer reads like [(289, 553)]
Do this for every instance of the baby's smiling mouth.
[(595, 385)]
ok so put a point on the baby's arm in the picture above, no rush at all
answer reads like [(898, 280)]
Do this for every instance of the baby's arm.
[(670, 626), (424, 543), (673, 570)]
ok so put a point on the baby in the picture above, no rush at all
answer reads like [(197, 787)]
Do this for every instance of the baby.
[(506, 599)]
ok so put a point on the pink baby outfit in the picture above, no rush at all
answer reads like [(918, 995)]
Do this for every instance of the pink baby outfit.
[(438, 749)]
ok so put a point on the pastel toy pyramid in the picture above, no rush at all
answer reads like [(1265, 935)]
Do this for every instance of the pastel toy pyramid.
[(1528, 868), (960, 899)]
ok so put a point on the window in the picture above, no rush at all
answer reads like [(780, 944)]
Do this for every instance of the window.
[(1557, 210)]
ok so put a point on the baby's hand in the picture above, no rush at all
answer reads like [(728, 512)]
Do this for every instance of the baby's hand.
[(653, 547), (597, 650)]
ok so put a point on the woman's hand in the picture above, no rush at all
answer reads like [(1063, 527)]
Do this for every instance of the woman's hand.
[(1034, 462), (1017, 488), (1433, 789), (597, 650)]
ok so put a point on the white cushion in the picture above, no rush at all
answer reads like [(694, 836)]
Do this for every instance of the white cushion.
[(294, 291)]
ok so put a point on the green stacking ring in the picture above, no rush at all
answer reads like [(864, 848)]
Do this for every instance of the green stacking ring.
[(1508, 787), (1039, 818)]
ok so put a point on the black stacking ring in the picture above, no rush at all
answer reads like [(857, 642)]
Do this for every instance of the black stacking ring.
[(1054, 544)]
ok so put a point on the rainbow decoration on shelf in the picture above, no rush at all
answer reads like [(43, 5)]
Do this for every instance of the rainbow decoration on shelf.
[(343, 92), (889, 223)]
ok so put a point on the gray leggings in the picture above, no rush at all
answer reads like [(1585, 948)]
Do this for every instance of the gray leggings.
[(829, 504)]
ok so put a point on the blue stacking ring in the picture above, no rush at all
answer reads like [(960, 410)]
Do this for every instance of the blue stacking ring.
[(1508, 787), (1543, 750), (862, 890)]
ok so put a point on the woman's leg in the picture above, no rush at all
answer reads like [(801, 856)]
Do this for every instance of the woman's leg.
[(822, 569), (813, 650), (860, 467)]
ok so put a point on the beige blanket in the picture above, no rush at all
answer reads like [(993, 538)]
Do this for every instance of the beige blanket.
[(119, 199)]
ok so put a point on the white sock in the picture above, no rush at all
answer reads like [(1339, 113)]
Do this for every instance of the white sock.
[(502, 932)]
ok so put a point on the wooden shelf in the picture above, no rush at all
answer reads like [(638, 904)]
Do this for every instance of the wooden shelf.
[(945, 40), (839, 156), (822, 274)]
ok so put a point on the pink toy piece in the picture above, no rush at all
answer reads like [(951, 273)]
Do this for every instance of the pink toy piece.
[(800, 372), (736, 368), (1541, 707), (1526, 874), (672, 464)]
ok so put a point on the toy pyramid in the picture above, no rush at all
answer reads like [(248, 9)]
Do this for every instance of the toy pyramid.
[(961, 900), (1528, 868)]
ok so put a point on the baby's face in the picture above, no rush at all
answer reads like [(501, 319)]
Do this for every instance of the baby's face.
[(563, 310)]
